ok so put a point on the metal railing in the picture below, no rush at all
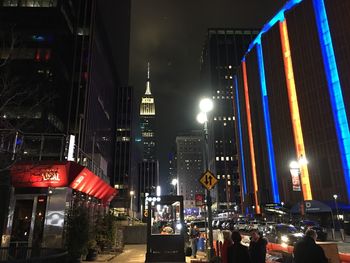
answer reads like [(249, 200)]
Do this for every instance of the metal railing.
[(19, 252), (43, 147)]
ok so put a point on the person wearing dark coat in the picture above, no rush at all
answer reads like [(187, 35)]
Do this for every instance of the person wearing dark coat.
[(307, 251), (237, 253), (257, 247)]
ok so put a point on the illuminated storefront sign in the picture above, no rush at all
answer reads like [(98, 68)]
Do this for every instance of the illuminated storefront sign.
[(68, 174)]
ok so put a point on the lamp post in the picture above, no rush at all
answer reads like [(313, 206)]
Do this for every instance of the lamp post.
[(335, 196), (132, 193), (174, 183), (206, 105)]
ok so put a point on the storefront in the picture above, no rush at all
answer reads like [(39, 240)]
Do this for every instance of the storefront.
[(42, 193)]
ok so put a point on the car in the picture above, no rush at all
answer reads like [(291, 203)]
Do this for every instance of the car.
[(241, 225), (262, 227), (305, 224), (284, 234), (252, 225)]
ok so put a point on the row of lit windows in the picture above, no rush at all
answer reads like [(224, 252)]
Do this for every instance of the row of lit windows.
[(223, 91), (228, 141), (29, 3), (222, 97), (224, 118), (228, 77), (222, 158)]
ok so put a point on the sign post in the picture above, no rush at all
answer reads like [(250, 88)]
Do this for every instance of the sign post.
[(208, 180)]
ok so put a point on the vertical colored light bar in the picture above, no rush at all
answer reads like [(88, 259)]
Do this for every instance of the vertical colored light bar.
[(250, 136), (294, 109), (268, 133), (238, 113), (334, 88)]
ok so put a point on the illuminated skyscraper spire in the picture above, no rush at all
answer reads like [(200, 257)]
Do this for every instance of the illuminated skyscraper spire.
[(148, 83), (147, 120)]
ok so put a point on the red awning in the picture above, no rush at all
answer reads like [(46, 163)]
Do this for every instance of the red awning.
[(61, 174)]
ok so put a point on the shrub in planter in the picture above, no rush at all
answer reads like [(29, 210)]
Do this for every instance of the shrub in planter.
[(92, 250), (106, 231), (77, 233)]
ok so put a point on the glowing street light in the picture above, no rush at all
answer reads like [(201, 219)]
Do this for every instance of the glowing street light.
[(174, 183), (206, 105), (132, 193)]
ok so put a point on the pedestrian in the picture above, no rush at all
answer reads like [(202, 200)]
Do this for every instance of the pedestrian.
[(307, 251), (194, 236), (257, 247), (227, 243), (237, 253)]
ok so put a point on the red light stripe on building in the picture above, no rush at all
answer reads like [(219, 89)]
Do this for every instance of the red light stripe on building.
[(250, 136), (294, 109)]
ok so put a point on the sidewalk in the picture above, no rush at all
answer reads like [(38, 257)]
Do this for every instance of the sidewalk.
[(131, 254)]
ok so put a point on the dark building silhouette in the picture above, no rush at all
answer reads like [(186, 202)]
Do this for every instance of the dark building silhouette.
[(63, 62), (223, 50), (122, 168)]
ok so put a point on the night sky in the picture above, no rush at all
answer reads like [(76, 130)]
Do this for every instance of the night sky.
[(170, 35)]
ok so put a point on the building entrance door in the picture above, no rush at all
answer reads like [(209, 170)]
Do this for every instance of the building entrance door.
[(27, 225)]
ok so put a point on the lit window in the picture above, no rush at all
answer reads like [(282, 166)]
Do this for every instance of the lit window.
[(214, 97), (223, 97), (229, 118), (233, 118), (225, 124), (218, 176), (218, 97), (228, 182), (228, 176), (223, 176), (227, 158), (214, 118), (229, 66), (231, 158), (224, 118), (218, 91), (222, 158), (231, 87), (217, 158)]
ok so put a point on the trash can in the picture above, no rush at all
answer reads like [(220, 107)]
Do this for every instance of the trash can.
[(201, 244)]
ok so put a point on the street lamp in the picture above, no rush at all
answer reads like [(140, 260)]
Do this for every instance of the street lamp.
[(206, 105), (335, 196), (174, 183), (132, 193)]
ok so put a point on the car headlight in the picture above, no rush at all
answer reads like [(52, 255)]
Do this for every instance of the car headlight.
[(284, 239)]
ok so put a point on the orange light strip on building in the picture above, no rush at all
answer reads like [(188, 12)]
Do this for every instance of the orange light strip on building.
[(294, 109), (250, 136)]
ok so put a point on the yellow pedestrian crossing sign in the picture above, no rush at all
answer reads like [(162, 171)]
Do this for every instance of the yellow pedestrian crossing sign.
[(208, 180)]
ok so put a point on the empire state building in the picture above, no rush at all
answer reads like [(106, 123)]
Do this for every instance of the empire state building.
[(147, 121)]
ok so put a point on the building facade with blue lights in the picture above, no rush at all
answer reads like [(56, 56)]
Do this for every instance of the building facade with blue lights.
[(292, 102)]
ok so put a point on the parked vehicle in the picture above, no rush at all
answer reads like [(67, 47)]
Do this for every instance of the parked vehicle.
[(263, 226), (241, 225), (283, 234)]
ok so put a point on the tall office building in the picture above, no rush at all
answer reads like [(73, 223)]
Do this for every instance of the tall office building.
[(189, 148), (122, 167), (222, 54), (147, 121), (293, 102), (148, 168)]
